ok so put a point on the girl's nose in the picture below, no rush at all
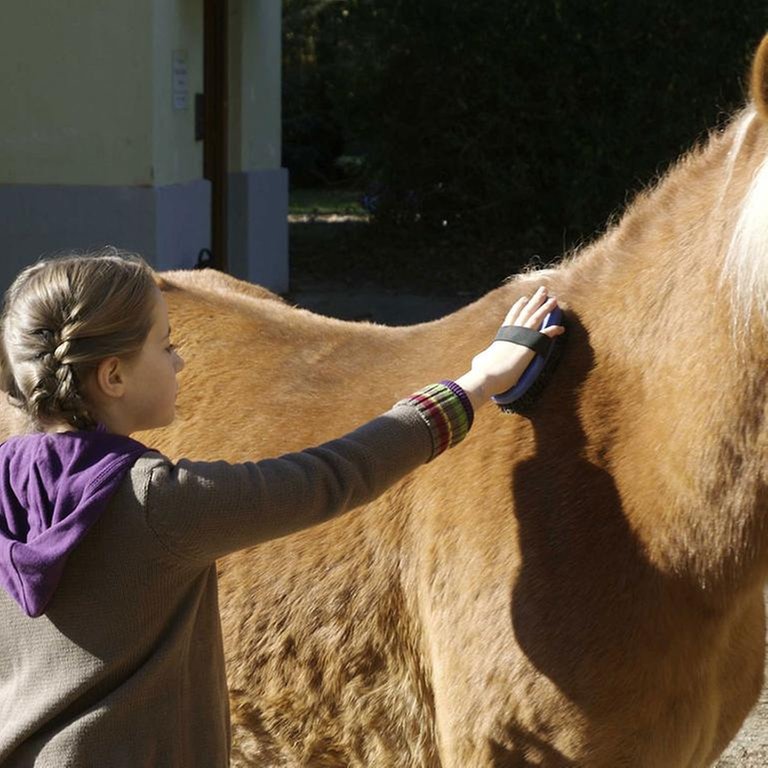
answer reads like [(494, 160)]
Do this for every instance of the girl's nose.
[(178, 362)]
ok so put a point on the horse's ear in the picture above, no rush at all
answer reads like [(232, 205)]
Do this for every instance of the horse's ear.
[(759, 83)]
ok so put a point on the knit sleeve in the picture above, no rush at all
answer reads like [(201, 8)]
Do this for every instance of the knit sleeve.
[(204, 510)]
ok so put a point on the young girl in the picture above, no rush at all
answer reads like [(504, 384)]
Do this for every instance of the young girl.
[(110, 648)]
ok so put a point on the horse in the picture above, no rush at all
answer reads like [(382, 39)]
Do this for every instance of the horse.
[(578, 586)]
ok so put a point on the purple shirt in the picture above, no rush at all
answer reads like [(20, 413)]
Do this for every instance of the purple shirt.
[(53, 488)]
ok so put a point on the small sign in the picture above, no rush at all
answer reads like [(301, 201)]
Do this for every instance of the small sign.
[(180, 80)]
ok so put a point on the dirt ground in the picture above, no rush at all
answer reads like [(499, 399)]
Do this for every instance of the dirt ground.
[(750, 748)]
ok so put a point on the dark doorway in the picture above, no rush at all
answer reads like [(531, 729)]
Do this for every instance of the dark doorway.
[(215, 147)]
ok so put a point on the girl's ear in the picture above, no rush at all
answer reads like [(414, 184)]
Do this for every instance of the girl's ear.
[(759, 81), (109, 379)]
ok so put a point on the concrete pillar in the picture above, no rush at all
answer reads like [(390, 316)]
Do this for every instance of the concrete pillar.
[(258, 186), (97, 140)]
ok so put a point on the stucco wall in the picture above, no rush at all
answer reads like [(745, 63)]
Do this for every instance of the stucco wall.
[(86, 92), (255, 60)]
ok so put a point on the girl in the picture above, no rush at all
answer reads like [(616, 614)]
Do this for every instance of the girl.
[(110, 649)]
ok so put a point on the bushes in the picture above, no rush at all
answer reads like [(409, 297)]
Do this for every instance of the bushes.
[(512, 119)]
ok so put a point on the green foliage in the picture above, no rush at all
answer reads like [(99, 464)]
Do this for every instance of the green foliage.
[(324, 202), (507, 118)]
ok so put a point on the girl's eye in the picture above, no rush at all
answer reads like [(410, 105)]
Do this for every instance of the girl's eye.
[(170, 349)]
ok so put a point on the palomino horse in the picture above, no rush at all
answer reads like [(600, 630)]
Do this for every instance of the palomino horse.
[(581, 587)]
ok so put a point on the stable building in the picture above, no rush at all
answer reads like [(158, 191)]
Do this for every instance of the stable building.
[(152, 125)]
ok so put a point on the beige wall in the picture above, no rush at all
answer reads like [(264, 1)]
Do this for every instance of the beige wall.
[(93, 149), (86, 92), (178, 26), (255, 34)]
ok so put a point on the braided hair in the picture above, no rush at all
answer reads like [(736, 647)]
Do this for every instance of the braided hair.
[(61, 318)]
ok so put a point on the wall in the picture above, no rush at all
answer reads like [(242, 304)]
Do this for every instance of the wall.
[(76, 109), (93, 149), (178, 26), (258, 186)]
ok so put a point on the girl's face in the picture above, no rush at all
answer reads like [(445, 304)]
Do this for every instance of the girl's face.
[(150, 386)]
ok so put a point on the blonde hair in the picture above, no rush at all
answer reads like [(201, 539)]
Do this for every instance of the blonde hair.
[(61, 317), (746, 261)]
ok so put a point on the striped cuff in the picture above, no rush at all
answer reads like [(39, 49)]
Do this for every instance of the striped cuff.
[(462, 395), (447, 412)]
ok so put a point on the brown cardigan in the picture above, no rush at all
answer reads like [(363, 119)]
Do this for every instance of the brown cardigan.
[(126, 667)]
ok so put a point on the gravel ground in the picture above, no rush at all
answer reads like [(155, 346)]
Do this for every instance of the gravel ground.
[(750, 748)]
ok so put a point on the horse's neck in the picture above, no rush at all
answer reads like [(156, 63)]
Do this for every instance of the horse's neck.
[(673, 402), (663, 397)]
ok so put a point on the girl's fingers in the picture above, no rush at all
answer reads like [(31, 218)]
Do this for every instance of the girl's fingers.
[(517, 307), (537, 318), (553, 330), (530, 312), (531, 304)]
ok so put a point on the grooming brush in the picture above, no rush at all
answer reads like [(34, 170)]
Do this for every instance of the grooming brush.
[(523, 396)]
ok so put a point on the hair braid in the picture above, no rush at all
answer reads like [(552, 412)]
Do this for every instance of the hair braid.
[(56, 393), (61, 318)]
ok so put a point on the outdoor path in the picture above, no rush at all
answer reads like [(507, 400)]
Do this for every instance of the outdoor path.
[(366, 303), (750, 748)]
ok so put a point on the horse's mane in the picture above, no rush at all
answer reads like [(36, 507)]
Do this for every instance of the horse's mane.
[(746, 260)]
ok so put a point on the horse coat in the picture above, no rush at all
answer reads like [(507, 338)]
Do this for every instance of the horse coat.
[(581, 587)]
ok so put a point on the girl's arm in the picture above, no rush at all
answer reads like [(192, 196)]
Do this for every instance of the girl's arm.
[(204, 510)]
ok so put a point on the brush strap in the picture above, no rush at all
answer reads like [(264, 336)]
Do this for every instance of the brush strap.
[(518, 397), (526, 337)]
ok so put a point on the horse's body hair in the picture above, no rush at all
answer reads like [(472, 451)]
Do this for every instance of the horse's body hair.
[(583, 588)]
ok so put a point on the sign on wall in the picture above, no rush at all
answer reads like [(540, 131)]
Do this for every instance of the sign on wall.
[(180, 72)]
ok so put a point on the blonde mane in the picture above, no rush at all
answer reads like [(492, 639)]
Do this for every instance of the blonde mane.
[(746, 260)]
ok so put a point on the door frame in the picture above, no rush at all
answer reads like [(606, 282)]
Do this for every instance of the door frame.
[(216, 122)]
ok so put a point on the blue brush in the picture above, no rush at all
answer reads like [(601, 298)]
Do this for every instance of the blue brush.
[(529, 387)]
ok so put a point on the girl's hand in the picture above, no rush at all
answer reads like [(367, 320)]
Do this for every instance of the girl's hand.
[(498, 368)]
